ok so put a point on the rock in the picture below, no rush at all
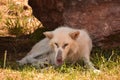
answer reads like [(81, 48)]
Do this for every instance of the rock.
[(100, 17)]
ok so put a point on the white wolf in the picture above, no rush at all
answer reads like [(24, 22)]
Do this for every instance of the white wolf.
[(64, 44)]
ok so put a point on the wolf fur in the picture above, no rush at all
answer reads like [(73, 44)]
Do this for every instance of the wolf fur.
[(38, 55), (63, 44)]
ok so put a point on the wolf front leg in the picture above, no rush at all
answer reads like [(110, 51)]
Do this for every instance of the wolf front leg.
[(90, 65), (86, 59)]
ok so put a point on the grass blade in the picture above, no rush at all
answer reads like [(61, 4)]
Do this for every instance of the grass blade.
[(5, 58)]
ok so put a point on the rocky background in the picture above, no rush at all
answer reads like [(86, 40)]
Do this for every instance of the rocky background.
[(100, 17)]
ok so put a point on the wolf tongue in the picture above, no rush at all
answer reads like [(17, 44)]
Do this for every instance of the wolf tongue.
[(59, 61)]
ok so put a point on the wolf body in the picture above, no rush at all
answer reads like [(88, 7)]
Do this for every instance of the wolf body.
[(39, 54), (63, 44)]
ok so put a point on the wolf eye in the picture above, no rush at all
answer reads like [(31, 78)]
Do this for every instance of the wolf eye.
[(65, 45), (56, 44)]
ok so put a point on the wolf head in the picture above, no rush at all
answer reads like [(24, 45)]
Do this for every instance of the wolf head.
[(61, 41)]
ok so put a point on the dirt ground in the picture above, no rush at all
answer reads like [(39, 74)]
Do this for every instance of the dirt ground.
[(15, 49)]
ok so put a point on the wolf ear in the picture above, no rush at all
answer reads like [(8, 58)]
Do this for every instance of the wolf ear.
[(48, 35), (74, 35)]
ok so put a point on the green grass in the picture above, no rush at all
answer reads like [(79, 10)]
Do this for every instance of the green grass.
[(107, 61)]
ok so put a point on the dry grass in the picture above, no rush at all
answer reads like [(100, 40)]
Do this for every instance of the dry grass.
[(52, 74), (16, 18), (107, 61)]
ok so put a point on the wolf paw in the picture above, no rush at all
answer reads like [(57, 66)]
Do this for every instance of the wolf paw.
[(21, 62), (96, 71)]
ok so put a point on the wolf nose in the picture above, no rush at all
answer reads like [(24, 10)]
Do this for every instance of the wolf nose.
[(59, 55), (59, 52)]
